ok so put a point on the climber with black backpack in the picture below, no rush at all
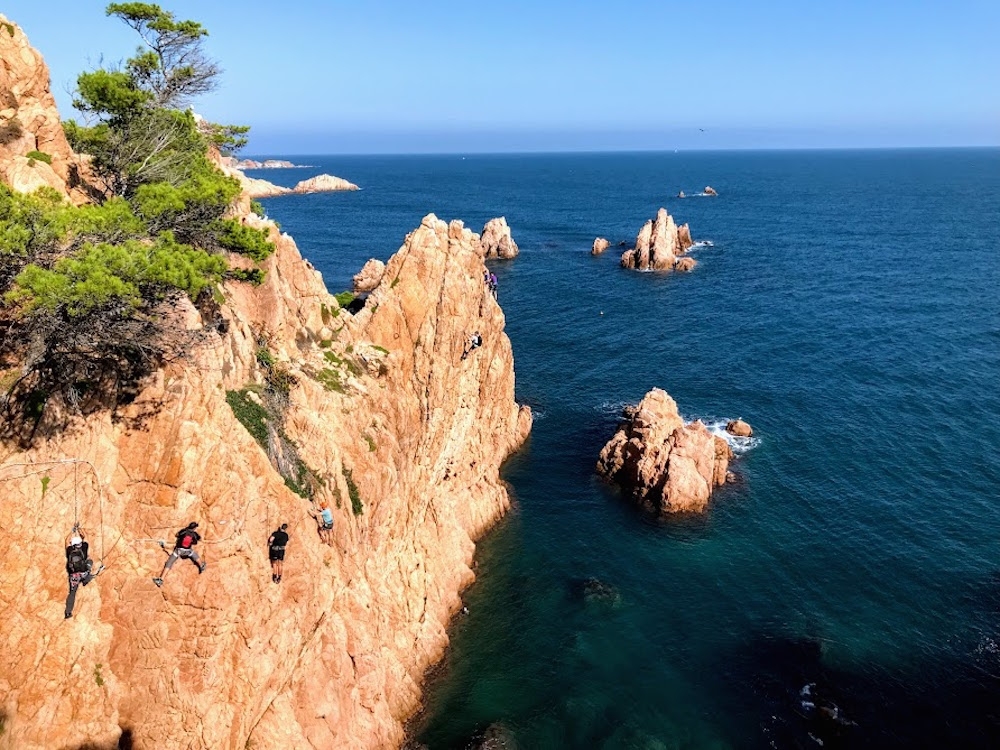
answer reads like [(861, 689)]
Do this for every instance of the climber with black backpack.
[(183, 547), (78, 566)]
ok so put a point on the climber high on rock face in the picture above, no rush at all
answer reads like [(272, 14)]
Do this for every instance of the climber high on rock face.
[(183, 547), (78, 566)]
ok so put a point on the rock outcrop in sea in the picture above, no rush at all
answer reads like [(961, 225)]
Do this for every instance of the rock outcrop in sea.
[(599, 246), (662, 464), (658, 245), (324, 183), (709, 191), (739, 428), (382, 420), (266, 164), (496, 239), (369, 276)]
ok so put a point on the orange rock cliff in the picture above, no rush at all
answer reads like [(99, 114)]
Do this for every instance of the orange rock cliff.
[(404, 441)]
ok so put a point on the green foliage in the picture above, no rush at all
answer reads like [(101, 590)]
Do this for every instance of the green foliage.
[(394, 282), (345, 298), (98, 677), (325, 343), (10, 131), (372, 445), (239, 238), (353, 492), (112, 93), (39, 156), (264, 357), (331, 380), (250, 414), (45, 484), (381, 349), (123, 274), (258, 208), (227, 138), (252, 276), (10, 30)]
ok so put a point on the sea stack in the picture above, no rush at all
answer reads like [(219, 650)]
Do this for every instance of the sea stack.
[(658, 245), (496, 240), (599, 246), (662, 464)]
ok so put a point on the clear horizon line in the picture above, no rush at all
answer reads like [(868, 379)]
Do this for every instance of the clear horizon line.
[(546, 152)]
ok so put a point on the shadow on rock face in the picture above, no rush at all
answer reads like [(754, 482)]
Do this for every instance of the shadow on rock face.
[(125, 742)]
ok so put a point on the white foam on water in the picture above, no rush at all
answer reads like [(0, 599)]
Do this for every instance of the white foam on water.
[(698, 244), (612, 407), (717, 427)]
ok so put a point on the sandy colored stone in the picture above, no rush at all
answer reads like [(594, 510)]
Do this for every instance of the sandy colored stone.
[(369, 276), (739, 428), (600, 245), (709, 191), (656, 246), (25, 95), (259, 188), (685, 264), (333, 657), (324, 183), (684, 240), (664, 465), (496, 240)]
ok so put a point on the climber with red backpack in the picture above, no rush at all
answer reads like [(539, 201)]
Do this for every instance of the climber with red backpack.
[(78, 566), (183, 547)]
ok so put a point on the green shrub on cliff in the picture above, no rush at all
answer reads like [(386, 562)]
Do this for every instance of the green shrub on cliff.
[(39, 156), (85, 286)]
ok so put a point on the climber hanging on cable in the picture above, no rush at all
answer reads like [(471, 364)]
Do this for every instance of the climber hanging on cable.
[(187, 538), (475, 341), (276, 544), (78, 565)]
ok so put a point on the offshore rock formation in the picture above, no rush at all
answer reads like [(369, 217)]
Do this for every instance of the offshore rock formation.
[(664, 465), (599, 246), (709, 191), (739, 428), (685, 264), (29, 122), (400, 436), (658, 245), (369, 276), (496, 239), (324, 183), (266, 164)]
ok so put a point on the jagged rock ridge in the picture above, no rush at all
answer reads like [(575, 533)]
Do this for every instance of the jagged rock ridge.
[(400, 435)]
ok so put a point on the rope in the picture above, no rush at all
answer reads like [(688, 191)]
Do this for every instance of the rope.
[(76, 504)]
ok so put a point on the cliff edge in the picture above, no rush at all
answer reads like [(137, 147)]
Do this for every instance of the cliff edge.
[(287, 402)]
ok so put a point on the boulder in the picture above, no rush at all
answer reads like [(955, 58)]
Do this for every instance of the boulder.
[(739, 428), (685, 264), (600, 245), (369, 276), (684, 237), (496, 240), (681, 194), (656, 246), (662, 464), (709, 190)]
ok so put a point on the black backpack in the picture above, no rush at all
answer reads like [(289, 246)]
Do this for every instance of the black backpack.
[(76, 561)]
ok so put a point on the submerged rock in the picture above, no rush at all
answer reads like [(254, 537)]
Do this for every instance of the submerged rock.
[(685, 264), (664, 465), (496, 240), (595, 591), (599, 246), (495, 737)]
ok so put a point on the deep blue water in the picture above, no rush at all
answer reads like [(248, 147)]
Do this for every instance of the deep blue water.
[(850, 311)]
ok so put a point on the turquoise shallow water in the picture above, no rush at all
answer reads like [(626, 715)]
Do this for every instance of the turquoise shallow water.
[(849, 309)]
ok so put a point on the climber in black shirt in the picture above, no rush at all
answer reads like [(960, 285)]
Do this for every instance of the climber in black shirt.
[(276, 544), (78, 566)]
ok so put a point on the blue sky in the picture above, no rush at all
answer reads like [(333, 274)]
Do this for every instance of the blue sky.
[(315, 76)]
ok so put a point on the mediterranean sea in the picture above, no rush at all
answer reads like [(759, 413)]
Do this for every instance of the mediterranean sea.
[(846, 591)]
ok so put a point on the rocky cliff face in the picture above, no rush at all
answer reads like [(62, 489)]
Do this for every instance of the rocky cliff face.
[(658, 245), (663, 464), (383, 419), (29, 122)]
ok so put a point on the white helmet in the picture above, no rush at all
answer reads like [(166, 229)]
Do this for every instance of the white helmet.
[(75, 540)]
